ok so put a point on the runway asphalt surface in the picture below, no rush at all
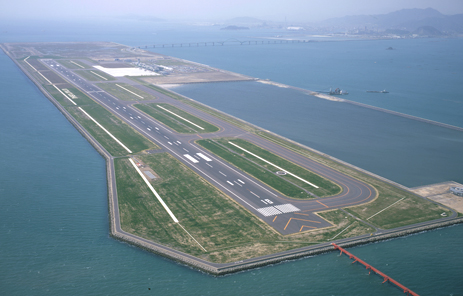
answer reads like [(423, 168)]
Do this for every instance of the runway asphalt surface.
[(284, 214)]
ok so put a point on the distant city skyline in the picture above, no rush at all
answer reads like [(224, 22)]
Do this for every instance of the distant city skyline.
[(214, 10)]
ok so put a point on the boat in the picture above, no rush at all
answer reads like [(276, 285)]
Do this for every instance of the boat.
[(338, 91), (378, 91)]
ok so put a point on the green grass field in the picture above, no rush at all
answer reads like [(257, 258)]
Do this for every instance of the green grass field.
[(287, 185), (126, 93), (71, 64), (191, 125), (227, 231), (212, 218), (124, 133), (91, 75)]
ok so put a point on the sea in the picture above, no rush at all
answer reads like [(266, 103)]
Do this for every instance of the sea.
[(54, 230)]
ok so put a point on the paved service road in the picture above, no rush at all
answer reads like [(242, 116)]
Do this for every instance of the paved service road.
[(283, 214)]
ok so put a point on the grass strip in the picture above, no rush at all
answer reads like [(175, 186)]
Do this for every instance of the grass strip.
[(286, 188), (91, 75), (326, 187), (123, 94), (211, 217), (287, 185), (174, 122), (119, 129)]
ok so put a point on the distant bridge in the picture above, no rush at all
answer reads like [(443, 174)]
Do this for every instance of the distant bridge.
[(231, 41)]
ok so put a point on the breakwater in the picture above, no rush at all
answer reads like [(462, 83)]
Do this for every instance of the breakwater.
[(333, 98)]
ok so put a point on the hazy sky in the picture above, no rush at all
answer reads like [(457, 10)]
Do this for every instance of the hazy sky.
[(294, 10)]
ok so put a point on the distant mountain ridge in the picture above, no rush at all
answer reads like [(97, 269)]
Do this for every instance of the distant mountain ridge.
[(405, 19)]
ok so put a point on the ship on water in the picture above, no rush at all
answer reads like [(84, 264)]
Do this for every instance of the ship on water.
[(338, 91)]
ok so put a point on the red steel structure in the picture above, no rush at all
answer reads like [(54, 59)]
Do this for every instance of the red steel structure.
[(371, 268)]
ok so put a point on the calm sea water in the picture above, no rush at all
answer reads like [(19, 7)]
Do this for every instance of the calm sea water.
[(54, 221)]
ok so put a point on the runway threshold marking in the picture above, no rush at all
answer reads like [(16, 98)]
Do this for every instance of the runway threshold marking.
[(129, 91), (113, 137), (180, 117), (289, 173)]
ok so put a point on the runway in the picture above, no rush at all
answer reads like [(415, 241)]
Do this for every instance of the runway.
[(284, 214)]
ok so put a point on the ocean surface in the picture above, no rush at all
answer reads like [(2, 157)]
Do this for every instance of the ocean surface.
[(53, 199)]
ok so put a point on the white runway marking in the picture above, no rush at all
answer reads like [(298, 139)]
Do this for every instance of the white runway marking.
[(254, 194), (192, 237), (297, 177), (230, 183), (114, 138), (154, 192), (222, 174), (287, 208), (385, 208), (77, 64), (204, 157), (180, 117), (129, 91), (98, 75), (192, 159), (276, 210), (269, 211)]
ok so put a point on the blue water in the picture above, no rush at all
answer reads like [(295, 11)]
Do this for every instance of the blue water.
[(54, 221), (406, 151), (423, 76)]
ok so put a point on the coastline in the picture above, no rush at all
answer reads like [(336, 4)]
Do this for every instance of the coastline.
[(221, 269)]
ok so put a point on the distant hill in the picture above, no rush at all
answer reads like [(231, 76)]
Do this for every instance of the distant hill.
[(428, 31), (405, 19)]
